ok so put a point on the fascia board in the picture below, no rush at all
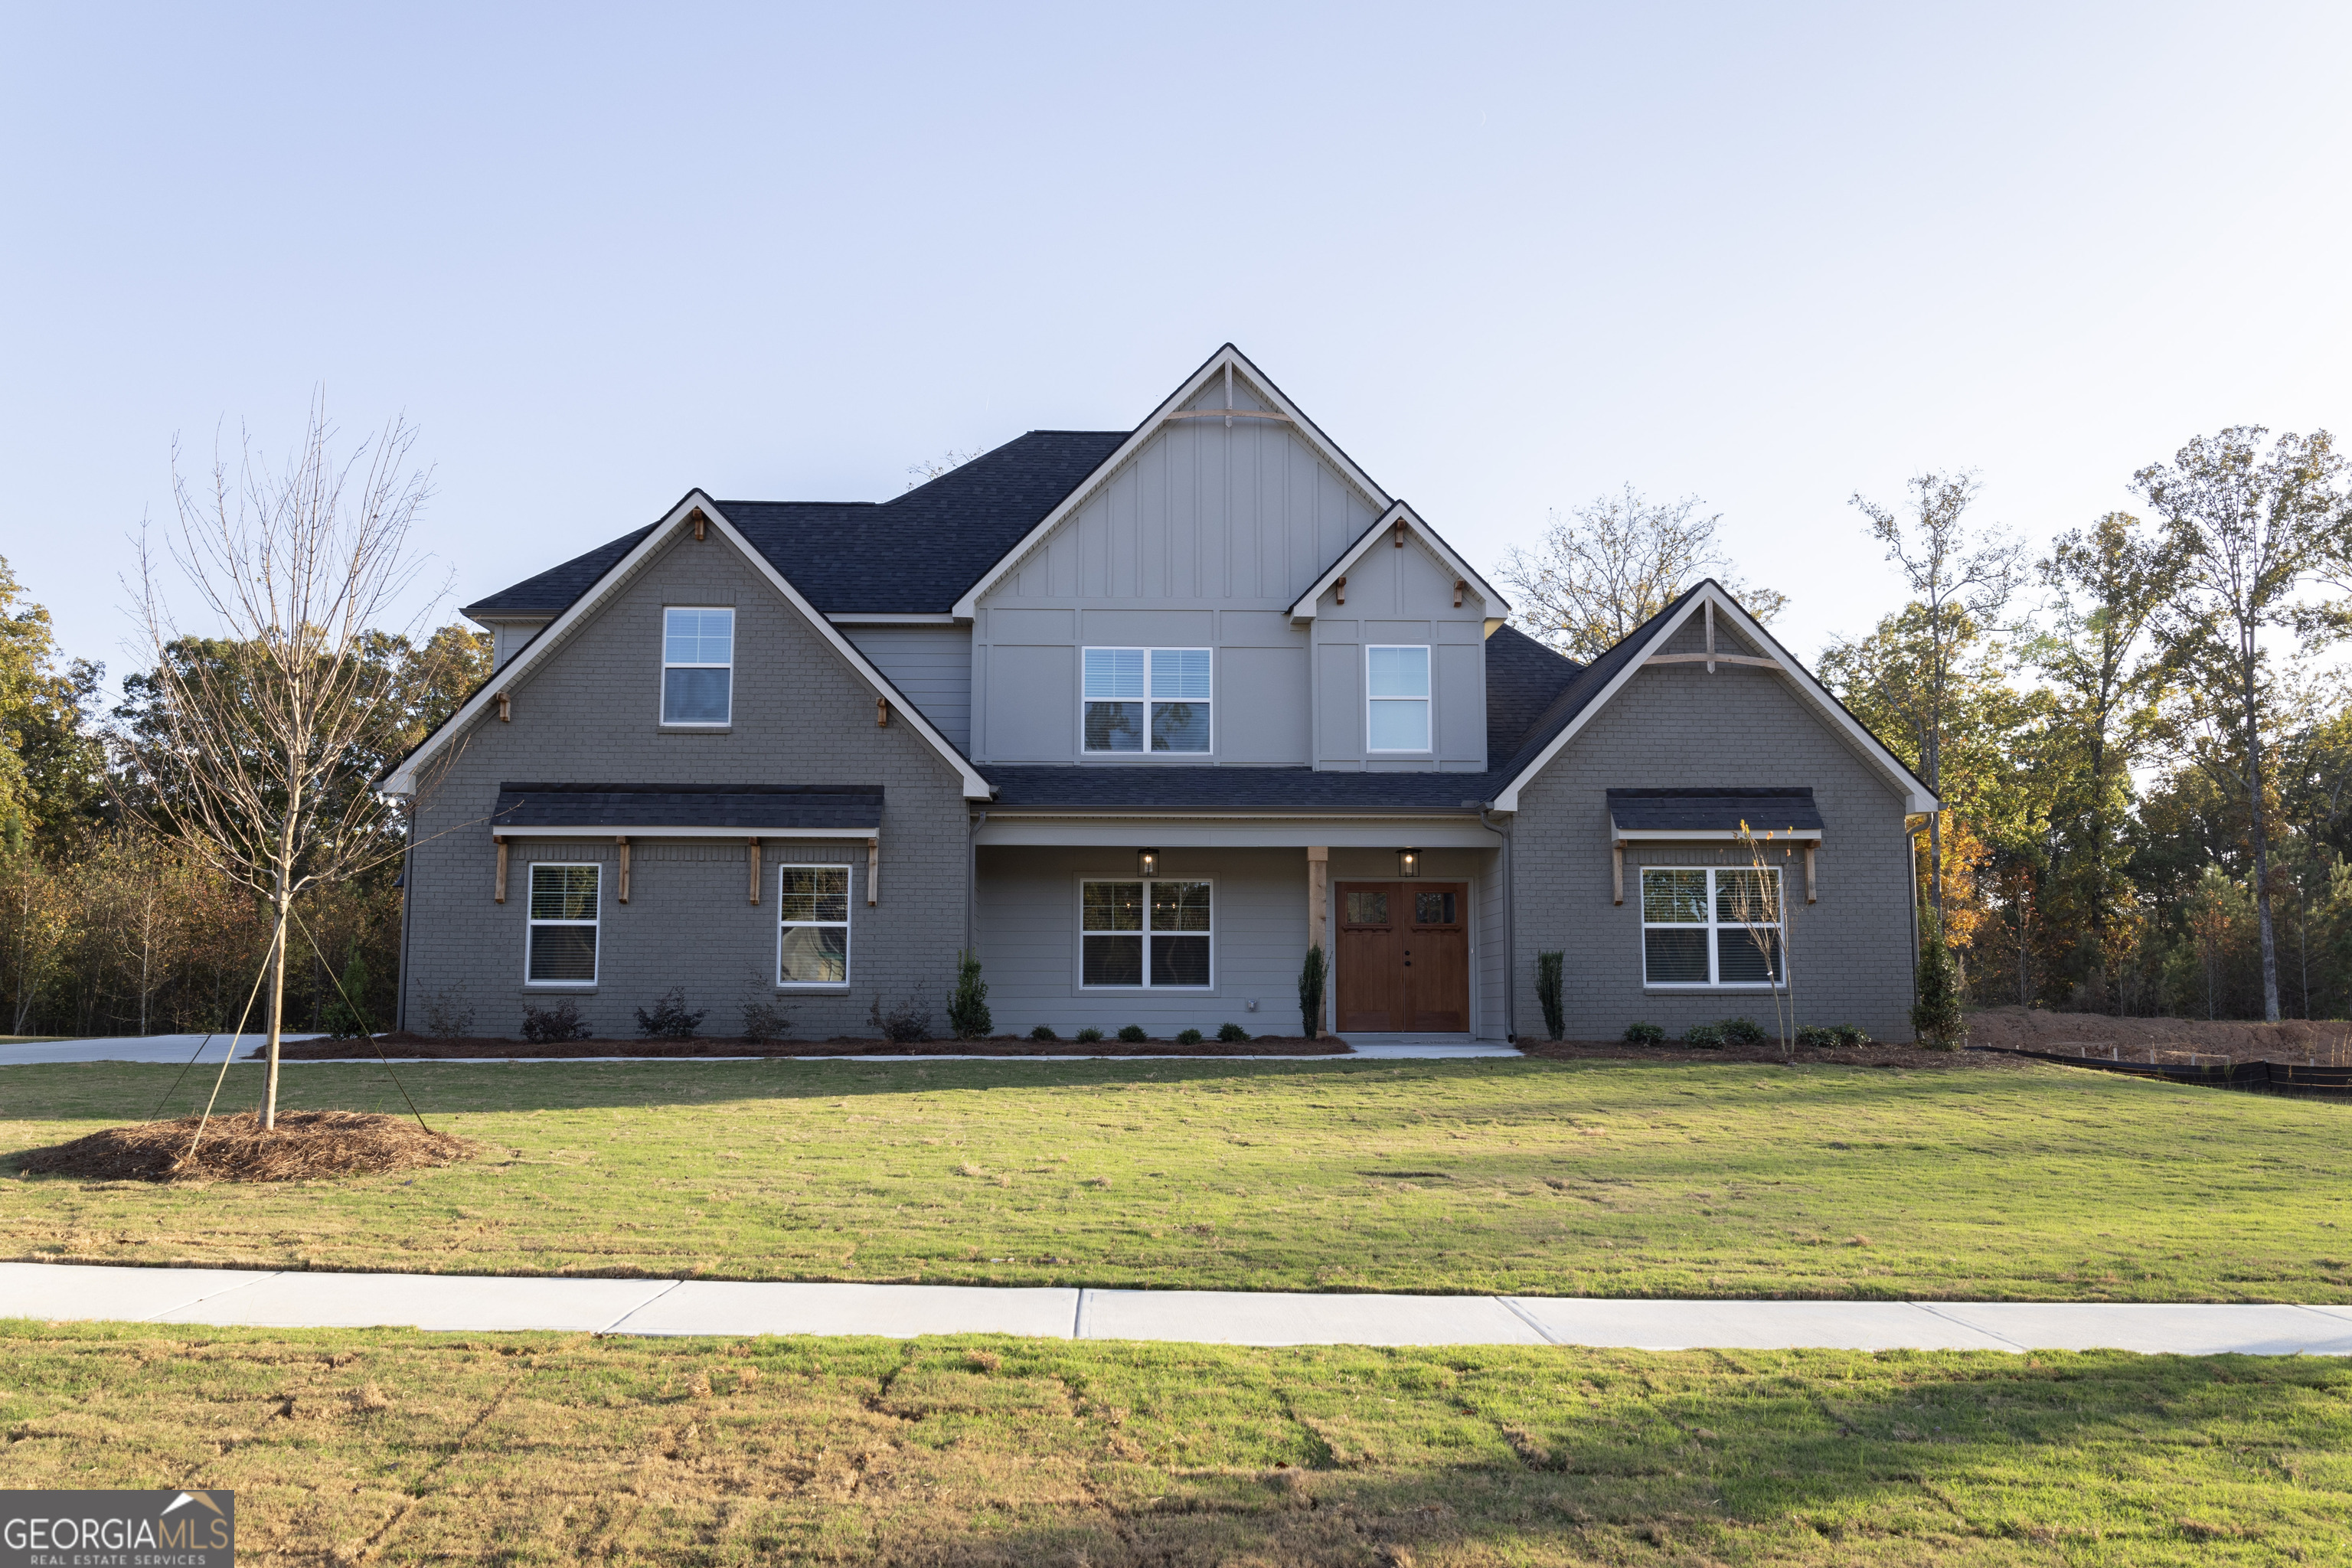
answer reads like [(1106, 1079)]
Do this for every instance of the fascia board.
[(633, 830), (891, 618), (1916, 797), (402, 781), (968, 605), (1303, 608)]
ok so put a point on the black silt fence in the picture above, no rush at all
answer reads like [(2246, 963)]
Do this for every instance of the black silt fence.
[(2259, 1077)]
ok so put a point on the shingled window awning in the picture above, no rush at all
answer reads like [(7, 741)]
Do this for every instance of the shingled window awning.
[(665, 811), (1711, 817)]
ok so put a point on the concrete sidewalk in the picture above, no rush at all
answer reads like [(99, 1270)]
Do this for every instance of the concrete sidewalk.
[(482, 1303)]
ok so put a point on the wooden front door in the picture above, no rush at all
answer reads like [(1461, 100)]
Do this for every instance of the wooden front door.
[(1402, 961)]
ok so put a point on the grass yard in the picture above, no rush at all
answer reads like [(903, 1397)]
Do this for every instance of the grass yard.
[(1562, 1178), (405, 1447)]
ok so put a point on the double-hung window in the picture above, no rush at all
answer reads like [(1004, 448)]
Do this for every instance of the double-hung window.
[(1396, 693), (562, 940), (698, 666), (1712, 927), (1152, 934), (812, 936), (1145, 699)]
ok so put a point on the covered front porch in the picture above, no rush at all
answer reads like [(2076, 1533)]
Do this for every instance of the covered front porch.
[(1170, 923)]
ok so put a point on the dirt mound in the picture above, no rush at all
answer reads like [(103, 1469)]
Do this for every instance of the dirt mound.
[(471, 1049), (304, 1145), (2172, 1040)]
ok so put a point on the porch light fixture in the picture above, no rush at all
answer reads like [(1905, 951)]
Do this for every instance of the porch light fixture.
[(1147, 862), (1408, 862)]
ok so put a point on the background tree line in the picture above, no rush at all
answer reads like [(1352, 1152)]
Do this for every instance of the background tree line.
[(2141, 738), (110, 919)]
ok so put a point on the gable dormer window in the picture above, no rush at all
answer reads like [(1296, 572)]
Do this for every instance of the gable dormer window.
[(1396, 705), (698, 666), (1146, 699)]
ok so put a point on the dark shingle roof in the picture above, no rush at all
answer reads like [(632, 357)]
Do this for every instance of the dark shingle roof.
[(1713, 810), (1522, 678), (1149, 787), (626, 805), (1589, 682), (913, 555)]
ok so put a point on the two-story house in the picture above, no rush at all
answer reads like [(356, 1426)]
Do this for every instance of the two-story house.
[(1138, 716)]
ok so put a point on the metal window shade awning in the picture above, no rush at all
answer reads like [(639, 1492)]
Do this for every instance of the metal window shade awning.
[(666, 811), (1712, 815)]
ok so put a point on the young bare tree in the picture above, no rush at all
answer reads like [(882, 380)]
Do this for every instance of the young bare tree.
[(2250, 529), (1612, 564), (259, 753), (1958, 580)]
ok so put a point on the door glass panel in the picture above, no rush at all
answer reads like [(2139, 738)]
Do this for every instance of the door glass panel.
[(1434, 908), (1367, 909)]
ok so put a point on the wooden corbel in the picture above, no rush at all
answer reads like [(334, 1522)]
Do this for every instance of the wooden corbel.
[(1811, 896), (1460, 588), (874, 871), (624, 842), (700, 524), (498, 891), (754, 856), (881, 713), (1617, 867), (1399, 540), (1710, 637), (1340, 591), (506, 709)]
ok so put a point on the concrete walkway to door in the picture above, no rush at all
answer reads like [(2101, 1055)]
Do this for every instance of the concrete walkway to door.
[(484, 1303)]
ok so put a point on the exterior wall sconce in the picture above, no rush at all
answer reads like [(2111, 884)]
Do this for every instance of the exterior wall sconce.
[(1147, 862), (1408, 862)]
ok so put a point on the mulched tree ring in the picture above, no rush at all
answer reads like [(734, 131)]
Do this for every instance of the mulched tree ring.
[(306, 1145)]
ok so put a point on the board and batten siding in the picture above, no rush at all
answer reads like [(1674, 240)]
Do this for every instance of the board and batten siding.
[(1677, 726), (932, 664), (1400, 596)]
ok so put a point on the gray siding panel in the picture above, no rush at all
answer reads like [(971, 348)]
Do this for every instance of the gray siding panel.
[(932, 664), (802, 715), (1676, 725)]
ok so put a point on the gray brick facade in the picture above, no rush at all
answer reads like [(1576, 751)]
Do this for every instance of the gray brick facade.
[(589, 710)]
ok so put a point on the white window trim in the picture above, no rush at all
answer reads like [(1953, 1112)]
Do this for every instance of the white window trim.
[(1428, 703), (848, 923), (1713, 925), (1147, 752), (532, 923), (1147, 934), (661, 689)]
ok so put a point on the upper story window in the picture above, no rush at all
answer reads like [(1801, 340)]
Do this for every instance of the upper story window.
[(1712, 927), (698, 666), (1396, 701), (1146, 699)]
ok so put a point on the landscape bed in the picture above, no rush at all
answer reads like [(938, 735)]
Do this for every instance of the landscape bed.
[(1569, 1178), (396, 1446), (469, 1048)]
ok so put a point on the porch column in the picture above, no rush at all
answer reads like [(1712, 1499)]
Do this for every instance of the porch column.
[(1319, 865)]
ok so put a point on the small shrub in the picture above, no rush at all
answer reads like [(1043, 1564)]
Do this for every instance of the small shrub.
[(446, 1017), (1743, 1032), (1548, 972), (1851, 1036), (1089, 1036), (670, 1020), (968, 1008), (907, 1023), (1232, 1034), (1133, 1034), (1311, 975), (1189, 1036), (1644, 1035), (545, 1026), (1708, 1036), (1042, 1032), (1817, 1036), (764, 1021)]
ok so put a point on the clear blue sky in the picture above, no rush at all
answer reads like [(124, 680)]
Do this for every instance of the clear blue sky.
[(1509, 258)]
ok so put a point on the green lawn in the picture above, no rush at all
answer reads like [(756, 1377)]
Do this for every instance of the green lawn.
[(404, 1448), (1539, 1177)]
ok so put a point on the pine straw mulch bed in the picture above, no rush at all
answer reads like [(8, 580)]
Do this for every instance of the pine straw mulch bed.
[(2165, 1042), (305, 1145), (477, 1048), (1870, 1056)]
